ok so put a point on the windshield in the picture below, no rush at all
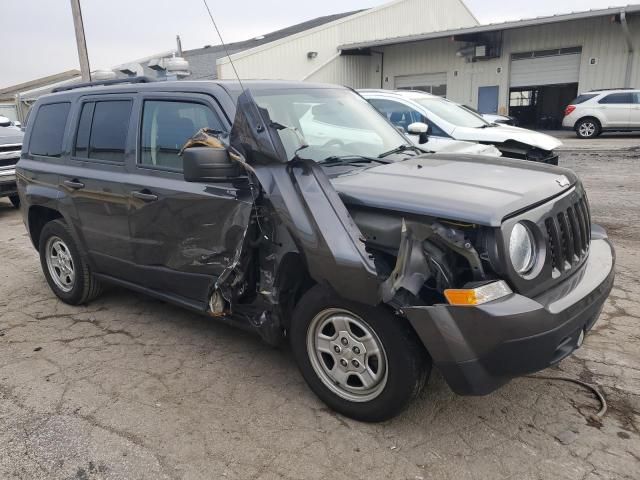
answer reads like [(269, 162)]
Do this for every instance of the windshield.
[(452, 113), (333, 122)]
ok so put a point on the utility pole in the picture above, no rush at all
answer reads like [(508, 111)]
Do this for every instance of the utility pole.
[(83, 55)]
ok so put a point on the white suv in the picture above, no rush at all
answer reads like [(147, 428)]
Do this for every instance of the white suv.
[(603, 110)]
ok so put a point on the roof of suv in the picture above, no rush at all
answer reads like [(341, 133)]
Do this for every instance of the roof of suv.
[(231, 86)]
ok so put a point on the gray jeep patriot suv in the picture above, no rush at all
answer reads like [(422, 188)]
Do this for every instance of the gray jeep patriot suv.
[(297, 211)]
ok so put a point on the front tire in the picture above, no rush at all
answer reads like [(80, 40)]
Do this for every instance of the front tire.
[(65, 268), (15, 200), (588, 128), (363, 362)]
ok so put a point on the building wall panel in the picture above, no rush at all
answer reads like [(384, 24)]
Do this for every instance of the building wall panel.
[(599, 38), (287, 58), (350, 71)]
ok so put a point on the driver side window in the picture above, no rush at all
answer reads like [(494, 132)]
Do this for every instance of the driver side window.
[(401, 115), (166, 127)]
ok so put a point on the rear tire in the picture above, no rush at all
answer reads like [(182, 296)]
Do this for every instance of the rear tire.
[(363, 362), (65, 268), (15, 200), (588, 128)]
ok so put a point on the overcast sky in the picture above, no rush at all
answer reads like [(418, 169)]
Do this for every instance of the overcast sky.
[(37, 36)]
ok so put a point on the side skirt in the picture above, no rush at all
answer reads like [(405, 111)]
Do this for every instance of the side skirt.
[(192, 305)]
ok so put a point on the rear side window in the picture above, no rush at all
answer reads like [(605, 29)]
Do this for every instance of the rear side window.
[(618, 98), (102, 130), (48, 130), (583, 98), (166, 127)]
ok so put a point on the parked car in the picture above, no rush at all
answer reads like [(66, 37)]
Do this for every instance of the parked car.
[(418, 133), (10, 146), (448, 120), (373, 259), (599, 111), (494, 117)]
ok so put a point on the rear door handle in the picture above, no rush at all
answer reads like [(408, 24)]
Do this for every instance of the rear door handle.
[(145, 196), (74, 184)]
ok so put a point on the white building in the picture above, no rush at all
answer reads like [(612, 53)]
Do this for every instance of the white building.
[(529, 68), (315, 54)]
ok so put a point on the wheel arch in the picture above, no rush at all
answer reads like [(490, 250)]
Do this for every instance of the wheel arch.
[(37, 218), (588, 117)]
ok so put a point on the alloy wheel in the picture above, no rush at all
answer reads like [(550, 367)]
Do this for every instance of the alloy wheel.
[(587, 129)]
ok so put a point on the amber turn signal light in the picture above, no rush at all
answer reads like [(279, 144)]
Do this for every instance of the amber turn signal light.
[(477, 296)]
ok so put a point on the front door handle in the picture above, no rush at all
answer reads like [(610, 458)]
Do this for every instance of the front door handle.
[(144, 195), (74, 184)]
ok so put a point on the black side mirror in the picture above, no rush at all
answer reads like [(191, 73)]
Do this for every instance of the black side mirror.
[(208, 164)]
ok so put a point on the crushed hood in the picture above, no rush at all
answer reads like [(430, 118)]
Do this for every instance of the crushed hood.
[(467, 188), (504, 133)]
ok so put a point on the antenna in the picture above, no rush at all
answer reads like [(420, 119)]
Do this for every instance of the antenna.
[(226, 50)]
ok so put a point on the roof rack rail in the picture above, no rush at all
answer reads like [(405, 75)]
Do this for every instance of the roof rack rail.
[(610, 89), (116, 81)]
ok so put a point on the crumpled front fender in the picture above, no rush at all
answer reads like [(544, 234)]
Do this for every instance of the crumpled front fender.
[(303, 198)]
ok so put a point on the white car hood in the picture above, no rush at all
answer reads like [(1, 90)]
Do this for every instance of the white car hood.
[(457, 146), (467, 148), (503, 133)]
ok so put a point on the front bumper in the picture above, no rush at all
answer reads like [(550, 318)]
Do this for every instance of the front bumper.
[(479, 349), (8, 182)]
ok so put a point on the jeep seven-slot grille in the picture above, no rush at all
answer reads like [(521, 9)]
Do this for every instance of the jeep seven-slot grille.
[(569, 235)]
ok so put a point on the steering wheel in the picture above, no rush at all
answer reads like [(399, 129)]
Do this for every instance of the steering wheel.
[(334, 142)]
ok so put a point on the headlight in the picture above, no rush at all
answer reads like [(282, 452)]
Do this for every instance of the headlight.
[(522, 249)]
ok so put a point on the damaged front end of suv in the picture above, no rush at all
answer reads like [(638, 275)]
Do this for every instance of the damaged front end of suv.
[(488, 269)]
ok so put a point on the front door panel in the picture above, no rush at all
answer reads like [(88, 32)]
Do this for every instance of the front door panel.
[(183, 235)]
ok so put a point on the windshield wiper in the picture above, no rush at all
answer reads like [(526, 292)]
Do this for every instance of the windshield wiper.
[(400, 149), (349, 160)]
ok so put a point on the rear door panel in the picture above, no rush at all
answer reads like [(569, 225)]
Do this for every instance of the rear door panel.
[(616, 114), (96, 188)]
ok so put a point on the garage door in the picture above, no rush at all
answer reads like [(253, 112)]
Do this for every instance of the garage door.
[(435, 83), (548, 70)]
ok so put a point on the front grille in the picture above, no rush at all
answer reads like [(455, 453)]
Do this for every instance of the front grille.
[(569, 236), (10, 148)]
